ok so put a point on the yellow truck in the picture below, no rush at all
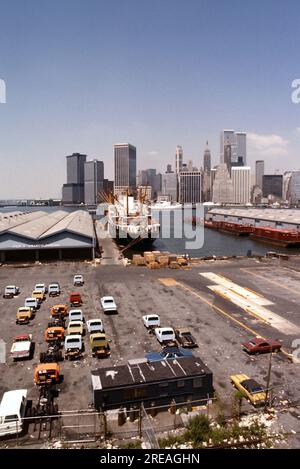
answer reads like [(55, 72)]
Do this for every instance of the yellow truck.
[(24, 315), (99, 345)]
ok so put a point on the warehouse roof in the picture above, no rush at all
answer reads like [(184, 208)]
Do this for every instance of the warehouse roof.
[(281, 215), (143, 371), (40, 224)]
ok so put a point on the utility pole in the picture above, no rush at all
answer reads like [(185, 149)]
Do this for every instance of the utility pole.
[(268, 381)]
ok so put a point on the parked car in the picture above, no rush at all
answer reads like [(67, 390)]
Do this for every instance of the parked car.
[(47, 373), (108, 304), (78, 280), (168, 353), (22, 347), (39, 295), (75, 299), (11, 291), (41, 287), (259, 345), (13, 411), (164, 334), (250, 388), (95, 325), (32, 303), (73, 346), (24, 315), (54, 334), (185, 338), (59, 311), (75, 327), (151, 321), (54, 289), (76, 315), (99, 345)]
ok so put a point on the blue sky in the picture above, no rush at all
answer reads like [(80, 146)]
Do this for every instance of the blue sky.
[(82, 75)]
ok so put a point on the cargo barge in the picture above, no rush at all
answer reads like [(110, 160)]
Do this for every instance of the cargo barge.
[(274, 236)]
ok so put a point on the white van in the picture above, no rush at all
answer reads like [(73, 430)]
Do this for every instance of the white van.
[(32, 303), (164, 334), (12, 412), (54, 289)]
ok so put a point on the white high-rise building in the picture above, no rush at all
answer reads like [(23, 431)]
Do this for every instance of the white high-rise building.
[(241, 181), (222, 186)]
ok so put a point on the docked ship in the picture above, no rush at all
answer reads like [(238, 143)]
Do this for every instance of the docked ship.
[(165, 205), (131, 221)]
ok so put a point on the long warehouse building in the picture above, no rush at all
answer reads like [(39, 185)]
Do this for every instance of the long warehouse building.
[(39, 235), (273, 218)]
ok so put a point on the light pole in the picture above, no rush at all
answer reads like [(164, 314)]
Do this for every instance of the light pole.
[(268, 381)]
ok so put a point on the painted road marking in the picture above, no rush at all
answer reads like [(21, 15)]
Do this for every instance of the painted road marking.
[(278, 284), (250, 302), (173, 282)]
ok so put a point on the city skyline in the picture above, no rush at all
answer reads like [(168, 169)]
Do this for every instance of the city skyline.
[(65, 92)]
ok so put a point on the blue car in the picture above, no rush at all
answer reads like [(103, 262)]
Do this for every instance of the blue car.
[(168, 353)]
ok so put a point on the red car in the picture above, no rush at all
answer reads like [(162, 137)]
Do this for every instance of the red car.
[(75, 299), (260, 345)]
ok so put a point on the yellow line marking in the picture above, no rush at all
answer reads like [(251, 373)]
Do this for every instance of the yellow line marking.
[(172, 282), (271, 281)]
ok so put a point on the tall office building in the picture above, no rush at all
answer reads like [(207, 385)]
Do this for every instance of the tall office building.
[(259, 173), (207, 159), (233, 148), (169, 186), (272, 185), (178, 159), (206, 174), (93, 181), (241, 148), (169, 168), (292, 191), (190, 187), (241, 182), (222, 186), (73, 190), (125, 167), (149, 177)]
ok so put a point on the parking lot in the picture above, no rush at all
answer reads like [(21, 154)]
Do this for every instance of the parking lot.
[(181, 298)]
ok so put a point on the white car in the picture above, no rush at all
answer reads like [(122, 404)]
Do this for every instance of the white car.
[(54, 289), (32, 303), (164, 334), (76, 315), (78, 280), (11, 291), (151, 320), (12, 411), (41, 287), (108, 304), (94, 325)]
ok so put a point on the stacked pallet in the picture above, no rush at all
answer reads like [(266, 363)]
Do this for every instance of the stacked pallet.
[(174, 265), (163, 260), (137, 259), (153, 265), (149, 257)]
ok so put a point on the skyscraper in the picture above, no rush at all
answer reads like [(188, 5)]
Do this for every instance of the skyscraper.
[(272, 185), (259, 173), (125, 167), (241, 181), (222, 186), (169, 186), (207, 159), (73, 190), (190, 187), (178, 159), (93, 181), (233, 148)]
